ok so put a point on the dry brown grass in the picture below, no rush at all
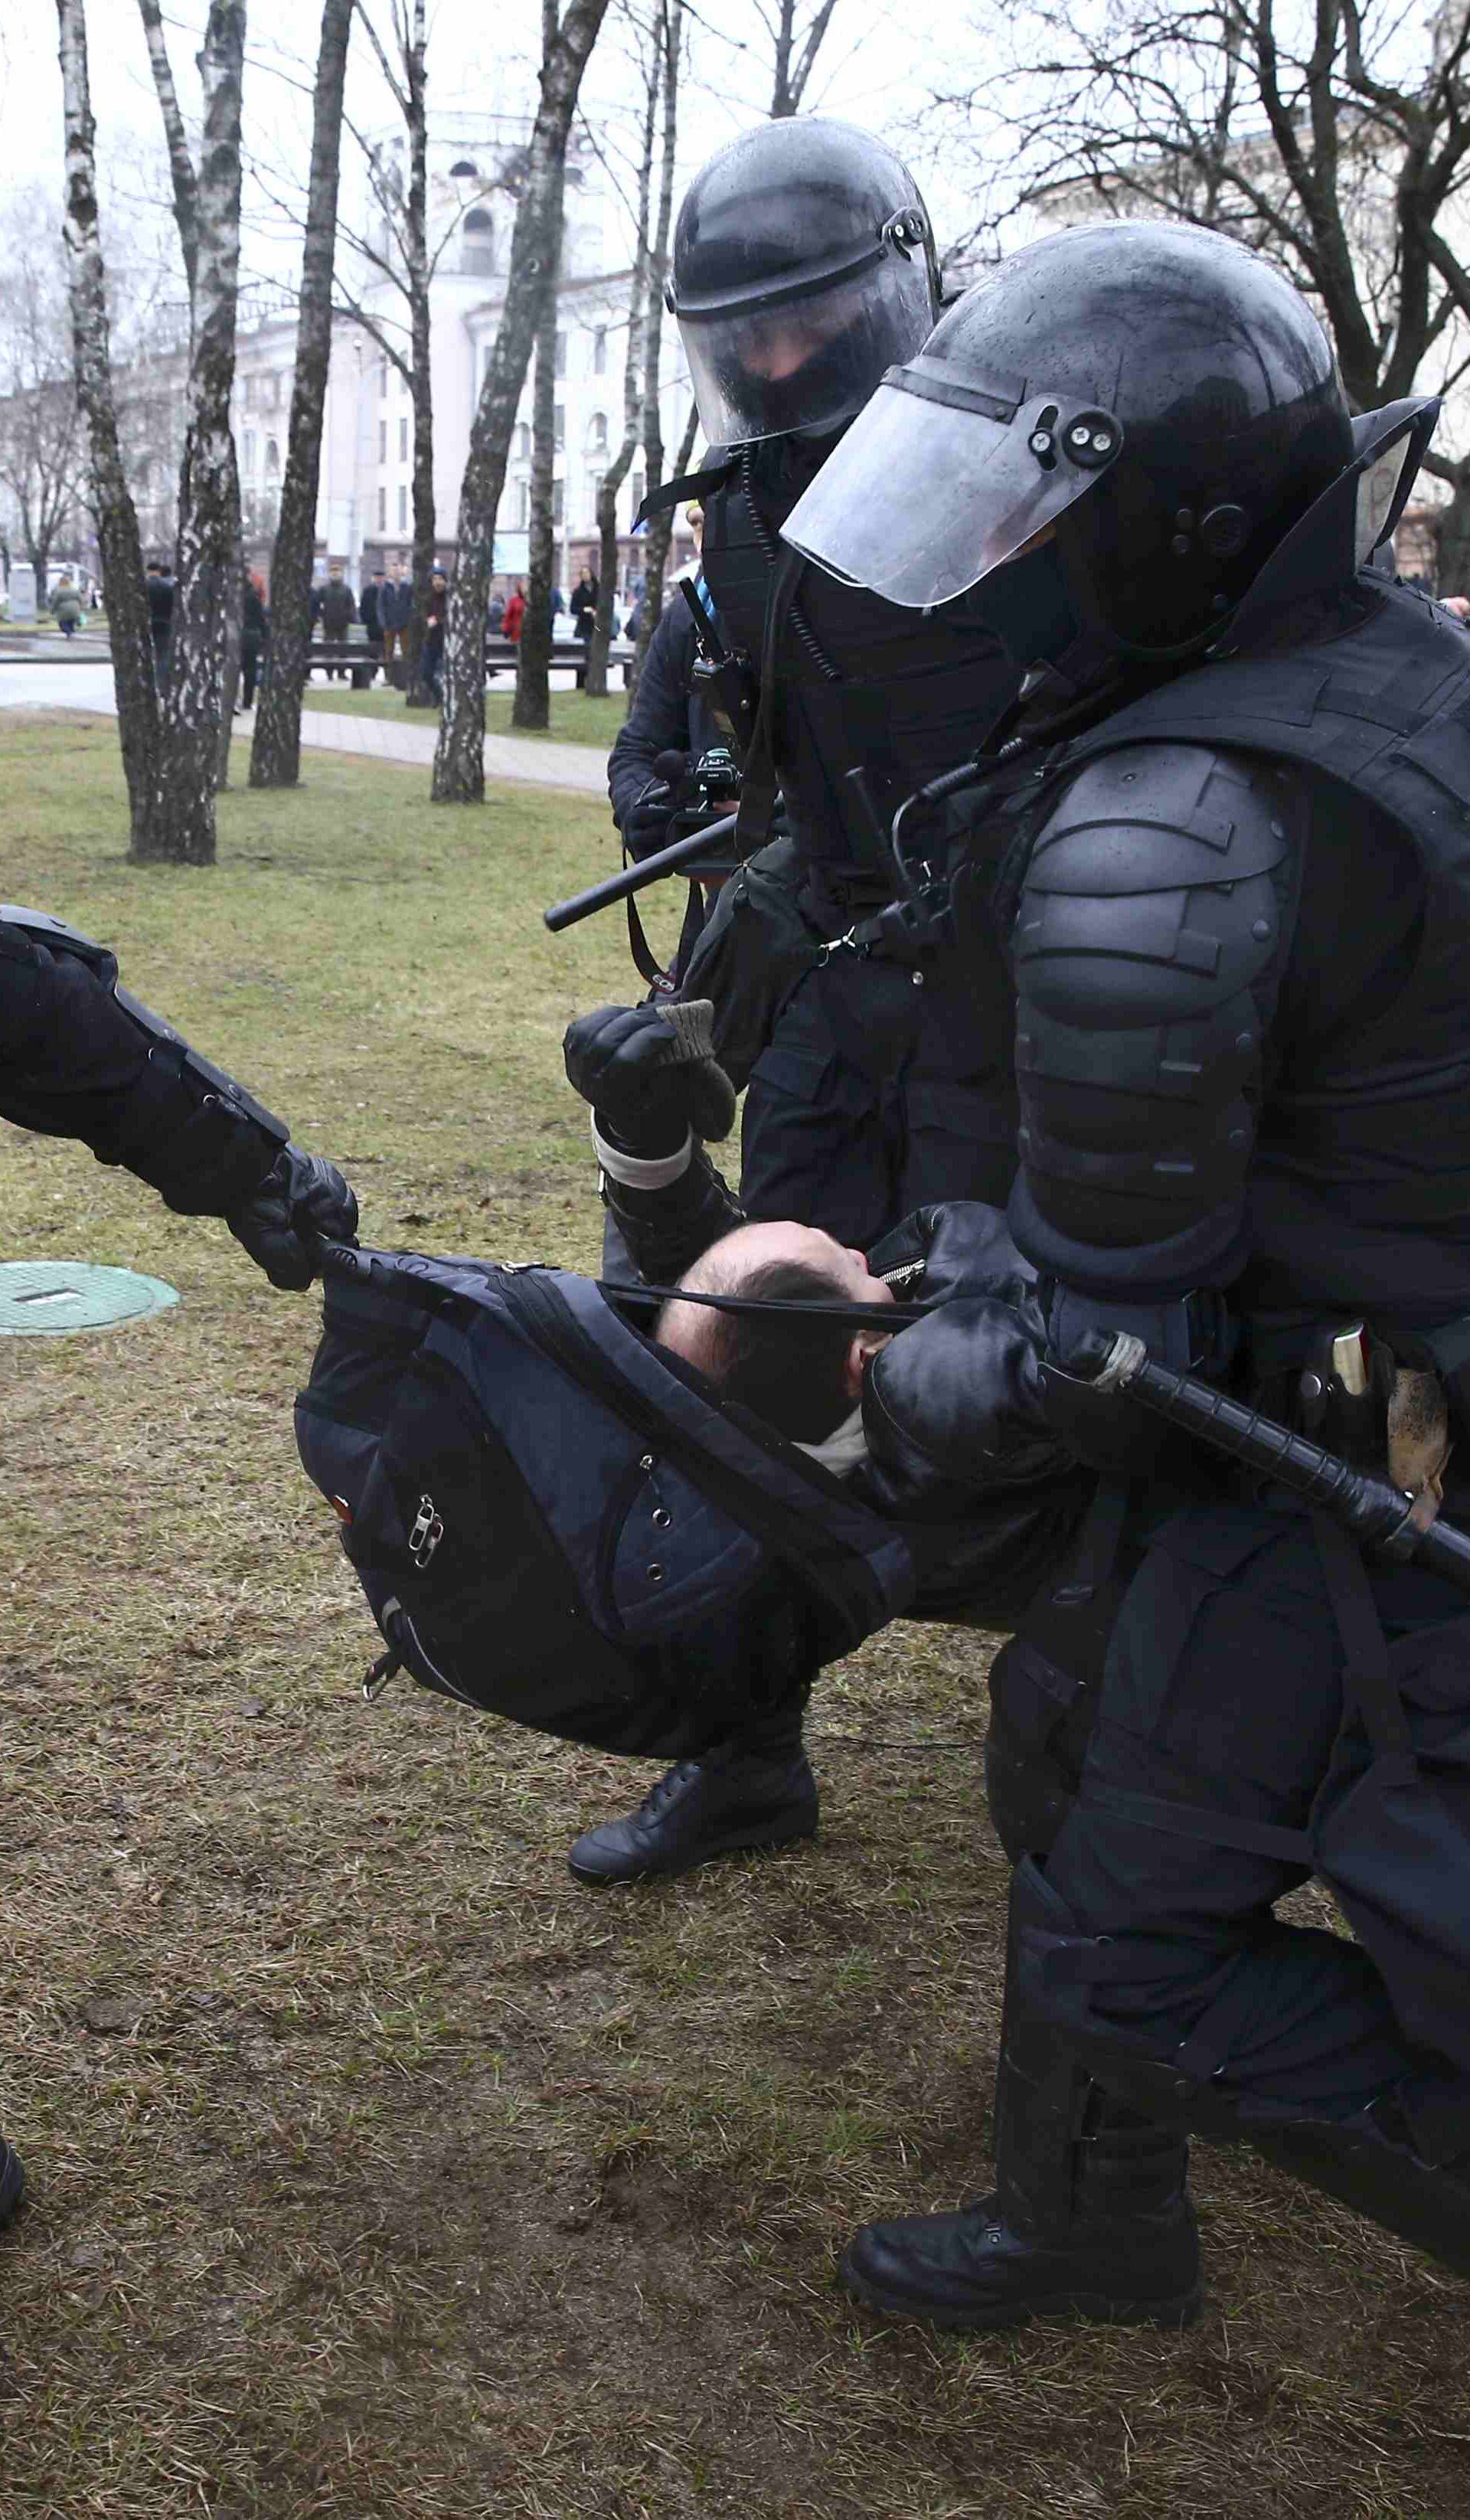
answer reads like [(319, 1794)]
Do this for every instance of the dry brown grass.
[(377, 2169)]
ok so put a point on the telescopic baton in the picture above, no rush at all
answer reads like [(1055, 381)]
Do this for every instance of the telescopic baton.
[(617, 887), (1378, 1515)]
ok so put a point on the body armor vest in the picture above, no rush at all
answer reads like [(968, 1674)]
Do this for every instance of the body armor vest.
[(849, 681), (1378, 1132)]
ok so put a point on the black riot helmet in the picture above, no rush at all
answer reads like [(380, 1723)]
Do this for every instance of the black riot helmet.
[(803, 267), (1161, 397)]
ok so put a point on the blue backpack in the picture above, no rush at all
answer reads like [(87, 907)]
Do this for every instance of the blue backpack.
[(554, 1519)]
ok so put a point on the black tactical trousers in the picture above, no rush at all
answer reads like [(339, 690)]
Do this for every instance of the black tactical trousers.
[(873, 1096), (1224, 1689)]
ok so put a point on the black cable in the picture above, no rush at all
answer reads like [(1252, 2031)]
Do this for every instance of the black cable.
[(771, 557)]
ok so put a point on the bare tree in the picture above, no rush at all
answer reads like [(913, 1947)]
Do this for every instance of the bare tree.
[(42, 451), (206, 205), (532, 705), (460, 761), (276, 750), (644, 279), (795, 47), (116, 516), (1336, 139), (400, 255), (661, 527)]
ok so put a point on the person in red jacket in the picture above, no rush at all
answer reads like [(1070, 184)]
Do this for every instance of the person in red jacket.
[(516, 613)]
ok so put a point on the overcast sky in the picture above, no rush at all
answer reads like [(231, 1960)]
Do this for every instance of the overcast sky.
[(873, 70)]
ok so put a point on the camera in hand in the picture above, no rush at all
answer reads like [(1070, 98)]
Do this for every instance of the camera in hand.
[(707, 793)]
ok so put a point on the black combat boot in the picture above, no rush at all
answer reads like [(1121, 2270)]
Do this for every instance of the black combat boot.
[(12, 2182), (1091, 2219), (746, 1794)]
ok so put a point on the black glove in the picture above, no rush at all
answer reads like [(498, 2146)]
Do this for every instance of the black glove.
[(649, 1074), (645, 825), (302, 1202)]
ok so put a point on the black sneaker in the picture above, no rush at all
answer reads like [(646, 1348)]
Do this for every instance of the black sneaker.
[(12, 2182), (700, 1808), (970, 2271)]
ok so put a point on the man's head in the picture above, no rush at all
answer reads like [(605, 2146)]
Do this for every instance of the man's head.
[(803, 268), (334, 572), (804, 1374)]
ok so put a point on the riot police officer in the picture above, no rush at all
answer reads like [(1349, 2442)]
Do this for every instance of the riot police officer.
[(1239, 918), (803, 268), (80, 1057)]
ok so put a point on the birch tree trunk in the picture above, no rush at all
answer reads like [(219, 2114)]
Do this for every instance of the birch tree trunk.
[(645, 281), (416, 260), (276, 750), (532, 705), (111, 501), (181, 828), (661, 527), (657, 549), (460, 761)]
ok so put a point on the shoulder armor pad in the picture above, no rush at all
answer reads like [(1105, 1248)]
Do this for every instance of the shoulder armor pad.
[(1161, 818), (40, 928)]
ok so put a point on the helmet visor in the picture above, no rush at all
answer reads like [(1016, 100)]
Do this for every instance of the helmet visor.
[(807, 358), (937, 484)]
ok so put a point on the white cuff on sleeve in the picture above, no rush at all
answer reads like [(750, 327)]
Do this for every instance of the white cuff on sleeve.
[(642, 1172)]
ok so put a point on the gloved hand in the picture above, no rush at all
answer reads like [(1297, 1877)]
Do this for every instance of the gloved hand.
[(645, 825), (302, 1202), (961, 1394), (650, 1075)]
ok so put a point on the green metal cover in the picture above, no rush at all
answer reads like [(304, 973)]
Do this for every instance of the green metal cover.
[(44, 1298)]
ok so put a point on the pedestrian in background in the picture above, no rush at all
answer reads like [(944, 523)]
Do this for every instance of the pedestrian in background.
[(370, 610), (66, 604), (339, 612), (395, 611), (160, 590), (584, 605), (431, 653), (515, 614), (254, 632)]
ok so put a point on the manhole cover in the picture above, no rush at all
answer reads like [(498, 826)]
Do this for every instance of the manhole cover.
[(41, 1298)]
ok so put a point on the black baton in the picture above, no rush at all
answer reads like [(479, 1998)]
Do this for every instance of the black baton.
[(1377, 1514), (617, 887)]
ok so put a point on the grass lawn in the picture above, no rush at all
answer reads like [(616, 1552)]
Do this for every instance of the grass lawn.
[(575, 719), (378, 2172)]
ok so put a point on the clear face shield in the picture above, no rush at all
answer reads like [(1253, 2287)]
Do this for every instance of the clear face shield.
[(809, 360), (937, 484)]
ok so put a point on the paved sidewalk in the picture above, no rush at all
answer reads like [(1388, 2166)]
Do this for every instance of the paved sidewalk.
[(579, 769)]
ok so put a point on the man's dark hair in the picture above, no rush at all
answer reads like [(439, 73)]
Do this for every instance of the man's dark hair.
[(791, 1369)]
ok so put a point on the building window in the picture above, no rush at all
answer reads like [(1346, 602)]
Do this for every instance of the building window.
[(463, 170), (479, 247), (559, 427), (272, 456), (522, 443), (403, 441), (382, 441), (597, 434), (269, 392), (382, 510), (382, 379), (523, 506), (599, 351), (402, 507), (249, 450), (638, 492), (559, 368), (597, 480), (558, 502)]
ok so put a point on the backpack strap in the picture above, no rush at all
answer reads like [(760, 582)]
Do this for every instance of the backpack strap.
[(852, 1559)]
